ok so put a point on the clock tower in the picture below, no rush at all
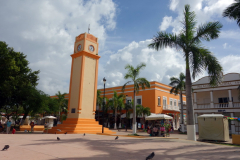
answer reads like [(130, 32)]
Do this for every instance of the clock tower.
[(84, 76), (82, 89)]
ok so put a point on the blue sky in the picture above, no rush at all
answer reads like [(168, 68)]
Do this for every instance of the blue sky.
[(45, 32)]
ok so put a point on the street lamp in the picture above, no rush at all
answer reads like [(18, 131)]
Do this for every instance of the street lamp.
[(104, 81)]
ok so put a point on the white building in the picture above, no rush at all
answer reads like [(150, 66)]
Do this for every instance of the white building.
[(222, 99)]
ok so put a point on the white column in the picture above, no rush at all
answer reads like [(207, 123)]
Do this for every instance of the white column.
[(230, 98), (211, 96), (196, 122), (232, 125), (195, 100)]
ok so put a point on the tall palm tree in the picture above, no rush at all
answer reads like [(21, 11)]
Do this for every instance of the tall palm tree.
[(196, 56), (178, 85), (99, 101), (133, 74), (233, 11), (142, 111), (117, 100)]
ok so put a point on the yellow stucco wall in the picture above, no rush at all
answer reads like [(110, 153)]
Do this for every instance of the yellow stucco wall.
[(88, 88), (77, 62)]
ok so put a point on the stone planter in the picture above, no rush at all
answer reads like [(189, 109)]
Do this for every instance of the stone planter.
[(236, 139)]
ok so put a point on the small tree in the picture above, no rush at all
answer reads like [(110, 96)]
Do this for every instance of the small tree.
[(62, 102), (142, 111), (128, 107), (178, 85), (115, 102), (99, 101)]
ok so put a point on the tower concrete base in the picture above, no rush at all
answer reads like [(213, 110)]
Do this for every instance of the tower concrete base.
[(78, 125)]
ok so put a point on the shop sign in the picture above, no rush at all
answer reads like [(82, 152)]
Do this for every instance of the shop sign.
[(222, 110)]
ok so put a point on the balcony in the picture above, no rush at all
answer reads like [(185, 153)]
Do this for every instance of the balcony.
[(169, 107), (216, 105)]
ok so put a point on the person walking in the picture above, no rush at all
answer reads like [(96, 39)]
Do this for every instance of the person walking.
[(9, 124), (32, 126)]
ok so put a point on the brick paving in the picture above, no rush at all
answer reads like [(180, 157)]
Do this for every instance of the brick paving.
[(37, 146)]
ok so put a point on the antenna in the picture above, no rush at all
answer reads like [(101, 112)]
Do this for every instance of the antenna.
[(88, 28)]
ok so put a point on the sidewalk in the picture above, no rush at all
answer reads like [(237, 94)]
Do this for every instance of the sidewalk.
[(37, 146), (174, 134)]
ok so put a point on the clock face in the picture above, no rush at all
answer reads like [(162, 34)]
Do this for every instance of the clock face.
[(91, 48), (79, 47)]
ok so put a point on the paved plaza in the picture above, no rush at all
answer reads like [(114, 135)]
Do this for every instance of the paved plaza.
[(28, 146)]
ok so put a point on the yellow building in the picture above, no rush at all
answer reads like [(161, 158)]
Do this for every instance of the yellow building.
[(157, 98)]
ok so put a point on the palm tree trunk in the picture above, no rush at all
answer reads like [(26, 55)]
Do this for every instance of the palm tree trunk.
[(126, 124), (120, 125), (115, 124), (191, 133), (98, 114), (144, 122), (182, 120), (134, 127)]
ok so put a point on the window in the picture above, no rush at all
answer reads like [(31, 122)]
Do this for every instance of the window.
[(179, 103), (164, 101), (159, 101), (171, 103), (175, 102), (139, 101), (73, 110), (184, 103), (128, 100)]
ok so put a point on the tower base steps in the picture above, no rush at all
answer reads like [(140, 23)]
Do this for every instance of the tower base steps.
[(78, 126)]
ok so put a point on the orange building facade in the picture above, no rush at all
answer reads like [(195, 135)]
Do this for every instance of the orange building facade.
[(157, 98)]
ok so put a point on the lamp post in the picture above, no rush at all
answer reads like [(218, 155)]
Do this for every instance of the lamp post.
[(104, 81)]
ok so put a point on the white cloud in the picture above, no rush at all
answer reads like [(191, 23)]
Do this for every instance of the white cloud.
[(230, 34), (230, 63), (165, 23), (225, 45), (45, 31), (160, 64), (206, 10)]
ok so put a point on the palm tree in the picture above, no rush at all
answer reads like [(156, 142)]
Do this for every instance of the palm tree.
[(133, 74), (99, 101), (233, 11), (128, 107), (142, 111), (107, 107), (178, 85), (117, 100), (62, 102), (196, 56), (121, 106)]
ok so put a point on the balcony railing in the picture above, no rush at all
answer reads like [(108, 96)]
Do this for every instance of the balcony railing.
[(169, 107), (221, 105), (202, 106), (236, 104), (215, 105)]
